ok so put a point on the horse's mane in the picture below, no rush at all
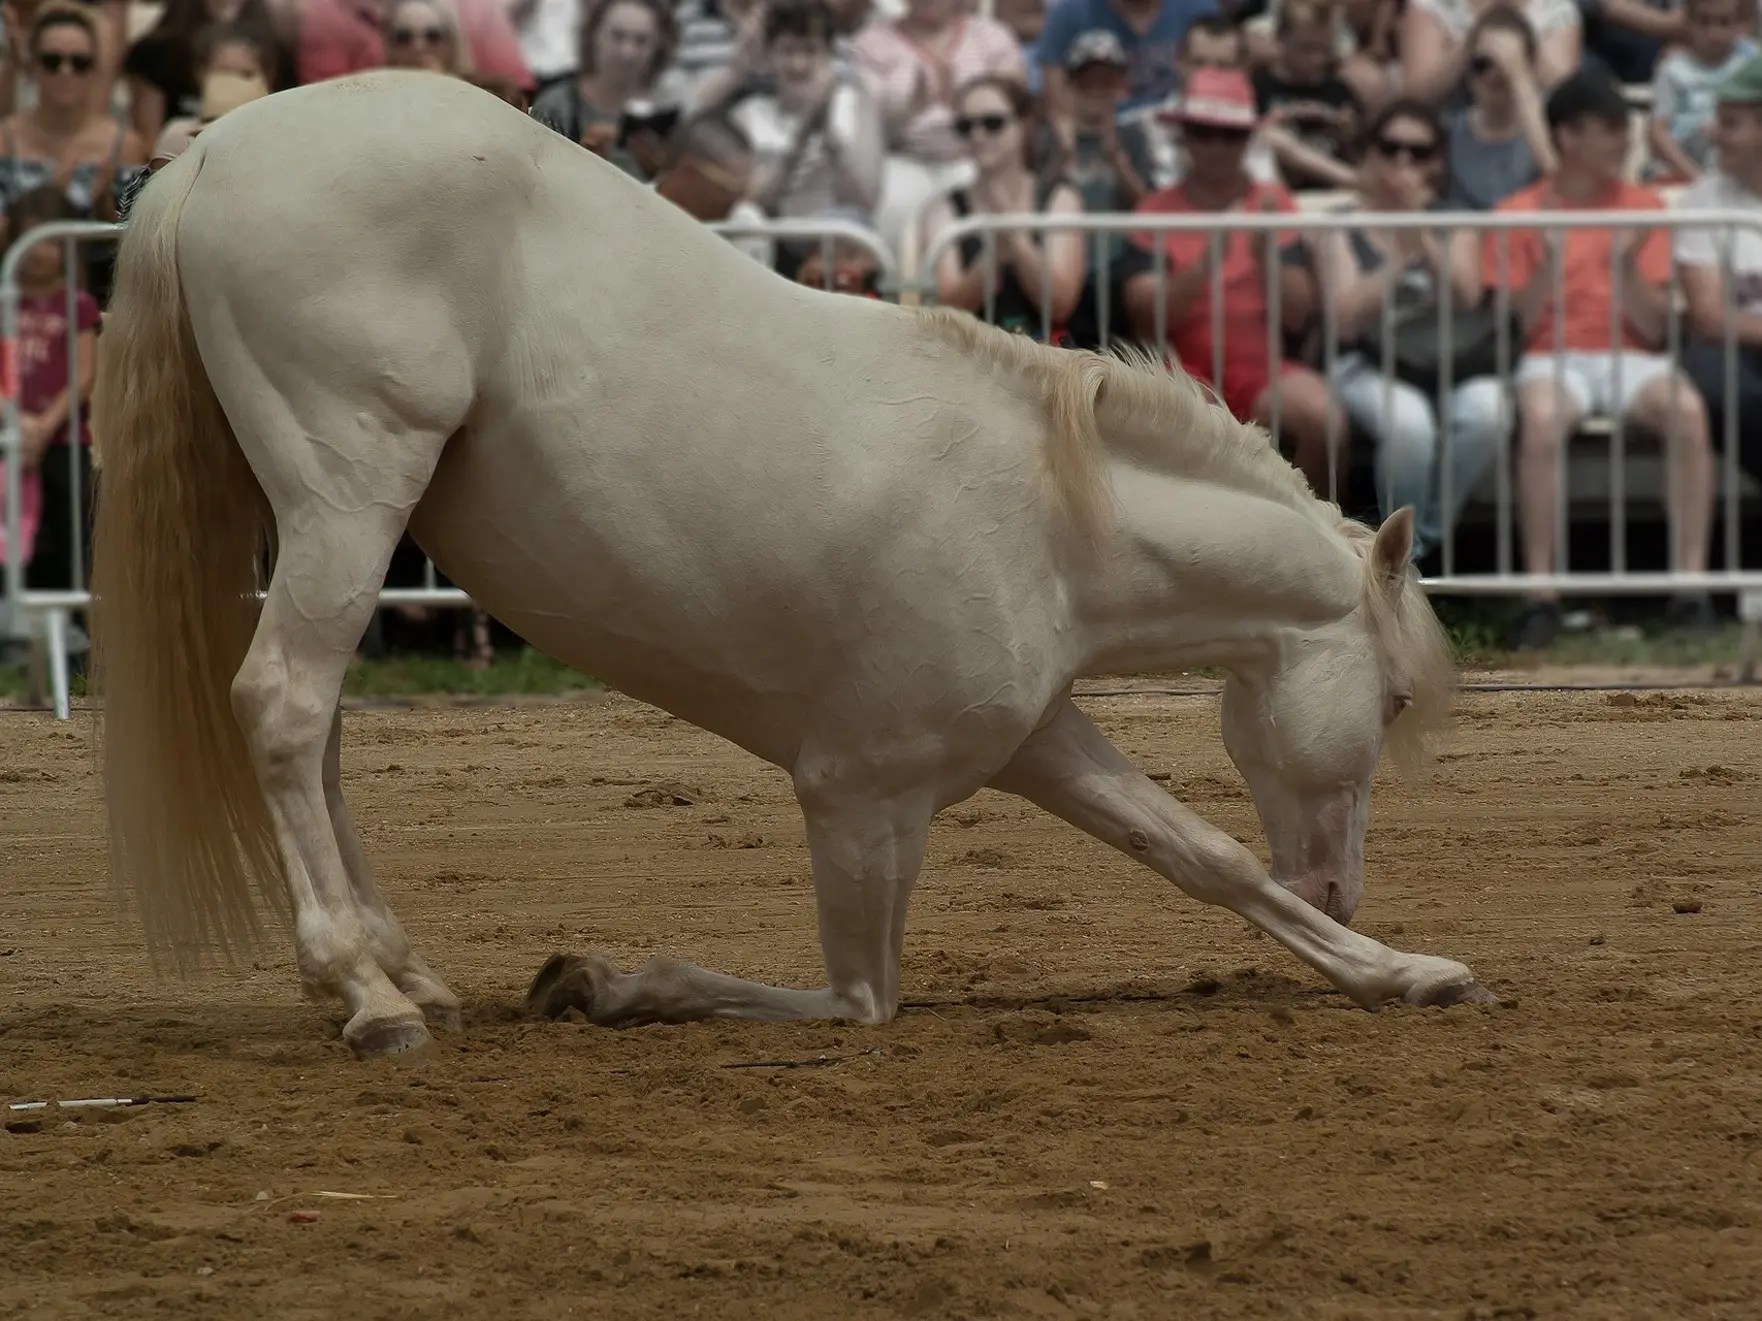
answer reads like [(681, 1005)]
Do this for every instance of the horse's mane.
[(1169, 422)]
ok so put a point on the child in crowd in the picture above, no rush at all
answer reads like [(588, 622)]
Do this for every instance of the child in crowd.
[(48, 382), (1686, 82), (1311, 115)]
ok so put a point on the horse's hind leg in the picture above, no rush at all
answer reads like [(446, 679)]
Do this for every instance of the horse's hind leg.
[(391, 947)]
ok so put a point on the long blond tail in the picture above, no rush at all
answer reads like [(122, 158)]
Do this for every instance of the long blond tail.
[(181, 524)]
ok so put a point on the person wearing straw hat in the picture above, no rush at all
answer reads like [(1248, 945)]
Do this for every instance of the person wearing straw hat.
[(1733, 184)]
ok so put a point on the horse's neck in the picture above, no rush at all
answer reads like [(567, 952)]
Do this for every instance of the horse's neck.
[(1198, 574)]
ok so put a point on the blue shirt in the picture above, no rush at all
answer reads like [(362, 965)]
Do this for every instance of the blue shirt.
[(1150, 72)]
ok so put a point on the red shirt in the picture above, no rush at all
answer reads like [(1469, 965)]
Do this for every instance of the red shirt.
[(1244, 288), (1585, 265), (340, 37)]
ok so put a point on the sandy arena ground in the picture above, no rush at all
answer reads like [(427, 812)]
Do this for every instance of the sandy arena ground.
[(1115, 1103)]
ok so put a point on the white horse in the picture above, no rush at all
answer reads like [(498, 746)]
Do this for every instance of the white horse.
[(870, 545)]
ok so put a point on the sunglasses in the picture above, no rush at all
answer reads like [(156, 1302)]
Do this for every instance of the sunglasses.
[(1419, 153), (52, 61), (1234, 137), (967, 125), (1481, 65), (419, 36)]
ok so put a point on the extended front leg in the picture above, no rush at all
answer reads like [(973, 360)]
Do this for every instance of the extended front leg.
[(1070, 769), (866, 856)]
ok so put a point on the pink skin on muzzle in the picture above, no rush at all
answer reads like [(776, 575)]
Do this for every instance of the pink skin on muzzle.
[(1322, 863)]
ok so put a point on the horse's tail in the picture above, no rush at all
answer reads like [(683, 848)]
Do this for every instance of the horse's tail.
[(181, 526)]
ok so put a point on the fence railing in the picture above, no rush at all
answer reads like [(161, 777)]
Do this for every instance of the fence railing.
[(44, 609), (1327, 358)]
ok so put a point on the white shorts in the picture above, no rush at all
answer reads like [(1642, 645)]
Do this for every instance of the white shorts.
[(1592, 379)]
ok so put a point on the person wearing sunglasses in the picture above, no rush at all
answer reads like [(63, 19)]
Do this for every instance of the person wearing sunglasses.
[(1027, 281), (1365, 271), (64, 139), (421, 34), (1499, 142)]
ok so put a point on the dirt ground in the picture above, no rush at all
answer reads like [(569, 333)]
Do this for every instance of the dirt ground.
[(1110, 1101)]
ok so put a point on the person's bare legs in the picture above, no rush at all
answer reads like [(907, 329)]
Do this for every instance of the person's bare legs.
[(1301, 405)]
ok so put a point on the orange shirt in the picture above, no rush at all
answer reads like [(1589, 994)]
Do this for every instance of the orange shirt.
[(1588, 282), (1244, 293)]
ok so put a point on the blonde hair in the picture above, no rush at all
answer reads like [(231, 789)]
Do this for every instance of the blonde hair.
[(458, 61)]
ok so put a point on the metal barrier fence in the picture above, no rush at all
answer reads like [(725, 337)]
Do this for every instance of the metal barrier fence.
[(46, 611), (1619, 580)]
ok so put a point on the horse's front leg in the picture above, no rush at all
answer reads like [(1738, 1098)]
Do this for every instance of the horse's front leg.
[(1070, 769), (866, 856)]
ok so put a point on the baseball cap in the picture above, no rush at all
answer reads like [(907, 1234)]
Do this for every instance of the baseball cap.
[(1744, 86), (1096, 46), (1220, 98)]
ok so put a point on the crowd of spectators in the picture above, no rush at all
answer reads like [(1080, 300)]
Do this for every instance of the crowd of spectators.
[(904, 116)]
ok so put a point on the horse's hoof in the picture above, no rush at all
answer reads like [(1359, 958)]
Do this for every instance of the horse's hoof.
[(439, 1006), (1461, 993), (570, 981), (446, 1017), (369, 1037)]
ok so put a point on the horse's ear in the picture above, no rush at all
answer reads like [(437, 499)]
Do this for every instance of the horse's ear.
[(1393, 548)]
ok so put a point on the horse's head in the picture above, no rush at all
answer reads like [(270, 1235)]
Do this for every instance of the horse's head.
[(1307, 725)]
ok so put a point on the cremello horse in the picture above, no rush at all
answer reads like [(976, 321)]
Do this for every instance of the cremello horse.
[(872, 546)]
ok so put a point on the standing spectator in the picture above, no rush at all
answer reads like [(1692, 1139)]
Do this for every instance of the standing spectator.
[(47, 385), (1150, 31), (1311, 116), (1499, 142), (1435, 50), (626, 47), (993, 115), (1735, 184), (817, 138), (1685, 87), (421, 34), (65, 140), (1631, 378), (914, 64), (339, 37), (163, 68), (1406, 268), (1255, 382)]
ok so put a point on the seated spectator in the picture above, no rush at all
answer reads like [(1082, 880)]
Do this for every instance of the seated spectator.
[(1028, 279), (1406, 268), (232, 69), (164, 68), (626, 47), (1632, 379), (1734, 184), (1247, 370), (64, 139), (1151, 31), (421, 34), (1210, 43), (1686, 83), (1499, 142), (816, 138), (854, 268), (708, 175), (1110, 160), (47, 384), (914, 64), (1363, 42), (1311, 116), (339, 37), (1435, 52)]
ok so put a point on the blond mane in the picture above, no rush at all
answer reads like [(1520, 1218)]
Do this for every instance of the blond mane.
[(1170, 423)]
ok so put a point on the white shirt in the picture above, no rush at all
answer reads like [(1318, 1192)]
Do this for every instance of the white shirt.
[(1715, 191)]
